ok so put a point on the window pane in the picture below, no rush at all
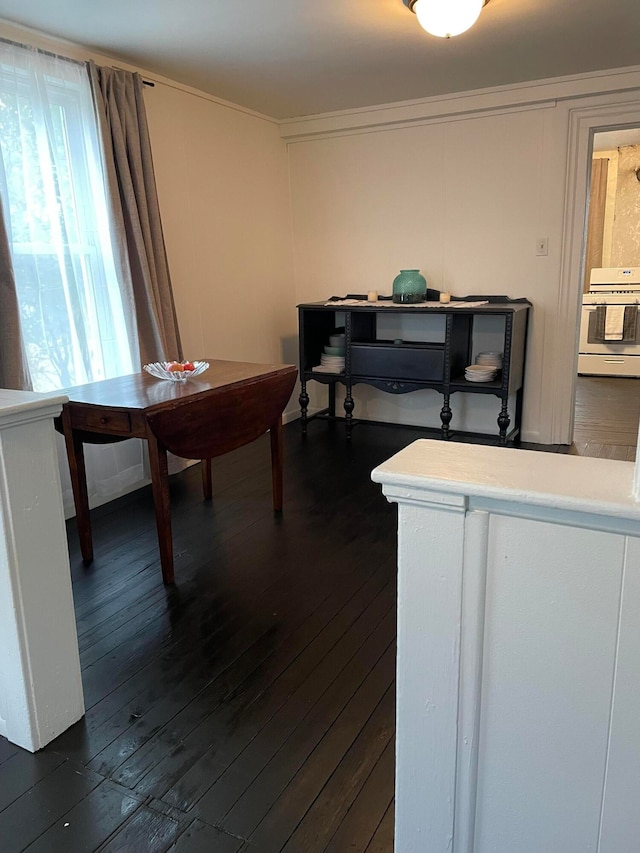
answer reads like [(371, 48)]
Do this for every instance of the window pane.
[(73, 314)]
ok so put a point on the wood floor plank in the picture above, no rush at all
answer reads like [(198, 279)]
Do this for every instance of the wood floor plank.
[(125, 705), (607, 410), (242, 725), (338, 715), (88, 824), (28, 817), (146, 830), (245, 707), (235, 651), (126, 708), (7, 749), (202, 838), (382, 841), (344, 782), (294, 799), (22, 770), (357, 829), (130, 657), (241, 795)]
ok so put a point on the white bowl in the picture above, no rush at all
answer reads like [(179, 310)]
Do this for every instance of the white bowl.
[(158, 369), (480, 368), (473, 374), (479, 378), (486, 362)]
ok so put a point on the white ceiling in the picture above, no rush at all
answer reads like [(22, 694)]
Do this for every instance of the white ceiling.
[(610, 139), (288, 58)]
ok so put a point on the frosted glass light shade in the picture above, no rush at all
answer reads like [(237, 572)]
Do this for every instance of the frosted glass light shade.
[(445, 18)]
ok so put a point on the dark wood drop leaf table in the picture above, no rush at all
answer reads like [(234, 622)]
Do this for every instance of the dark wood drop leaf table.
[(230, 405)]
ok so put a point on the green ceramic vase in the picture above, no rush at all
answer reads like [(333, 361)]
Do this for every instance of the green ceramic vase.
[(409, 286)]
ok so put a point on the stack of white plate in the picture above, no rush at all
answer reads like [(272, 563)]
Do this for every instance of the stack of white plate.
[(479, 373), (331, 363), (490, 359)]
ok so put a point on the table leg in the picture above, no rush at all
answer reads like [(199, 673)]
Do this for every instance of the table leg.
[(160, 488), (207, 486), (332, 400), (77, 471), (276, 464)]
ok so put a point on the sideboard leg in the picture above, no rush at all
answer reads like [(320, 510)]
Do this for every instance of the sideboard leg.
[(348, 411), (332, 400), (445, 416), (303, 399), (518, 416), (503, 421)]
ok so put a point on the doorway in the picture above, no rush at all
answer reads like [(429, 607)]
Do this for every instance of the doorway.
[(607, 403)]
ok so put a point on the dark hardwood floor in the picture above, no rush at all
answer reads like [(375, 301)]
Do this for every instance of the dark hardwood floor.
[(251, 706), (606, 417)]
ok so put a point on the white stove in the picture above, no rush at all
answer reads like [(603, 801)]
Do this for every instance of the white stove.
[(610, 325)]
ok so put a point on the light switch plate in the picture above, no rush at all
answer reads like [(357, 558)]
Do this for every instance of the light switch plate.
[(542, 246)]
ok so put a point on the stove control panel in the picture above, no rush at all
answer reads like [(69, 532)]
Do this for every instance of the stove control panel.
[(615, 280)]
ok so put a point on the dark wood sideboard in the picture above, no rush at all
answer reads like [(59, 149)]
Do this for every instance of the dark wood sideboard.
[(436, 359)]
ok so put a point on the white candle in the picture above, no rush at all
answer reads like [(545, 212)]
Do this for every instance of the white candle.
[(445, 297), (372, 296)]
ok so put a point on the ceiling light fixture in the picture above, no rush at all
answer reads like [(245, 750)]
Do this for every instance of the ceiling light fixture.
[(446, 18)]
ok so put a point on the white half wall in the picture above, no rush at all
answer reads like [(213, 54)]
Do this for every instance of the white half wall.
[(40, 681), (518, 651)]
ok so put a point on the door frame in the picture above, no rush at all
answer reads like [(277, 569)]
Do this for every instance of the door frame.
[(584, 121)]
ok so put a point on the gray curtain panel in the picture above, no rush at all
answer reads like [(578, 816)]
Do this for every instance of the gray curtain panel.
[(595, 226), (14, 371), (118, 97)]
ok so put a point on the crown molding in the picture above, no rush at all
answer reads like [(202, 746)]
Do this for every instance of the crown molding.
[(530, 95)]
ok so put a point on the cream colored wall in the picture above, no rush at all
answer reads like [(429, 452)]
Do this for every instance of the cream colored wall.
[(463, 200), (625, 239), (222, 178)]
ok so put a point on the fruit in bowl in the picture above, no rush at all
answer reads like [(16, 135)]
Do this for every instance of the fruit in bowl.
[(176, 371)]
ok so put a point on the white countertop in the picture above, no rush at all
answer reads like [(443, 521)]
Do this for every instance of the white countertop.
[(19, 406), (552, 480)]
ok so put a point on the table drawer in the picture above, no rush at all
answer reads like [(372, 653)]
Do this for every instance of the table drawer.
[(96, 420), (419, 363)]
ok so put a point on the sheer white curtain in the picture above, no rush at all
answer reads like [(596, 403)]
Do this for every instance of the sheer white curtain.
[(77, 315)]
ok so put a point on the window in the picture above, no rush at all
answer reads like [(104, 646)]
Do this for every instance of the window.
[(77, 326)]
